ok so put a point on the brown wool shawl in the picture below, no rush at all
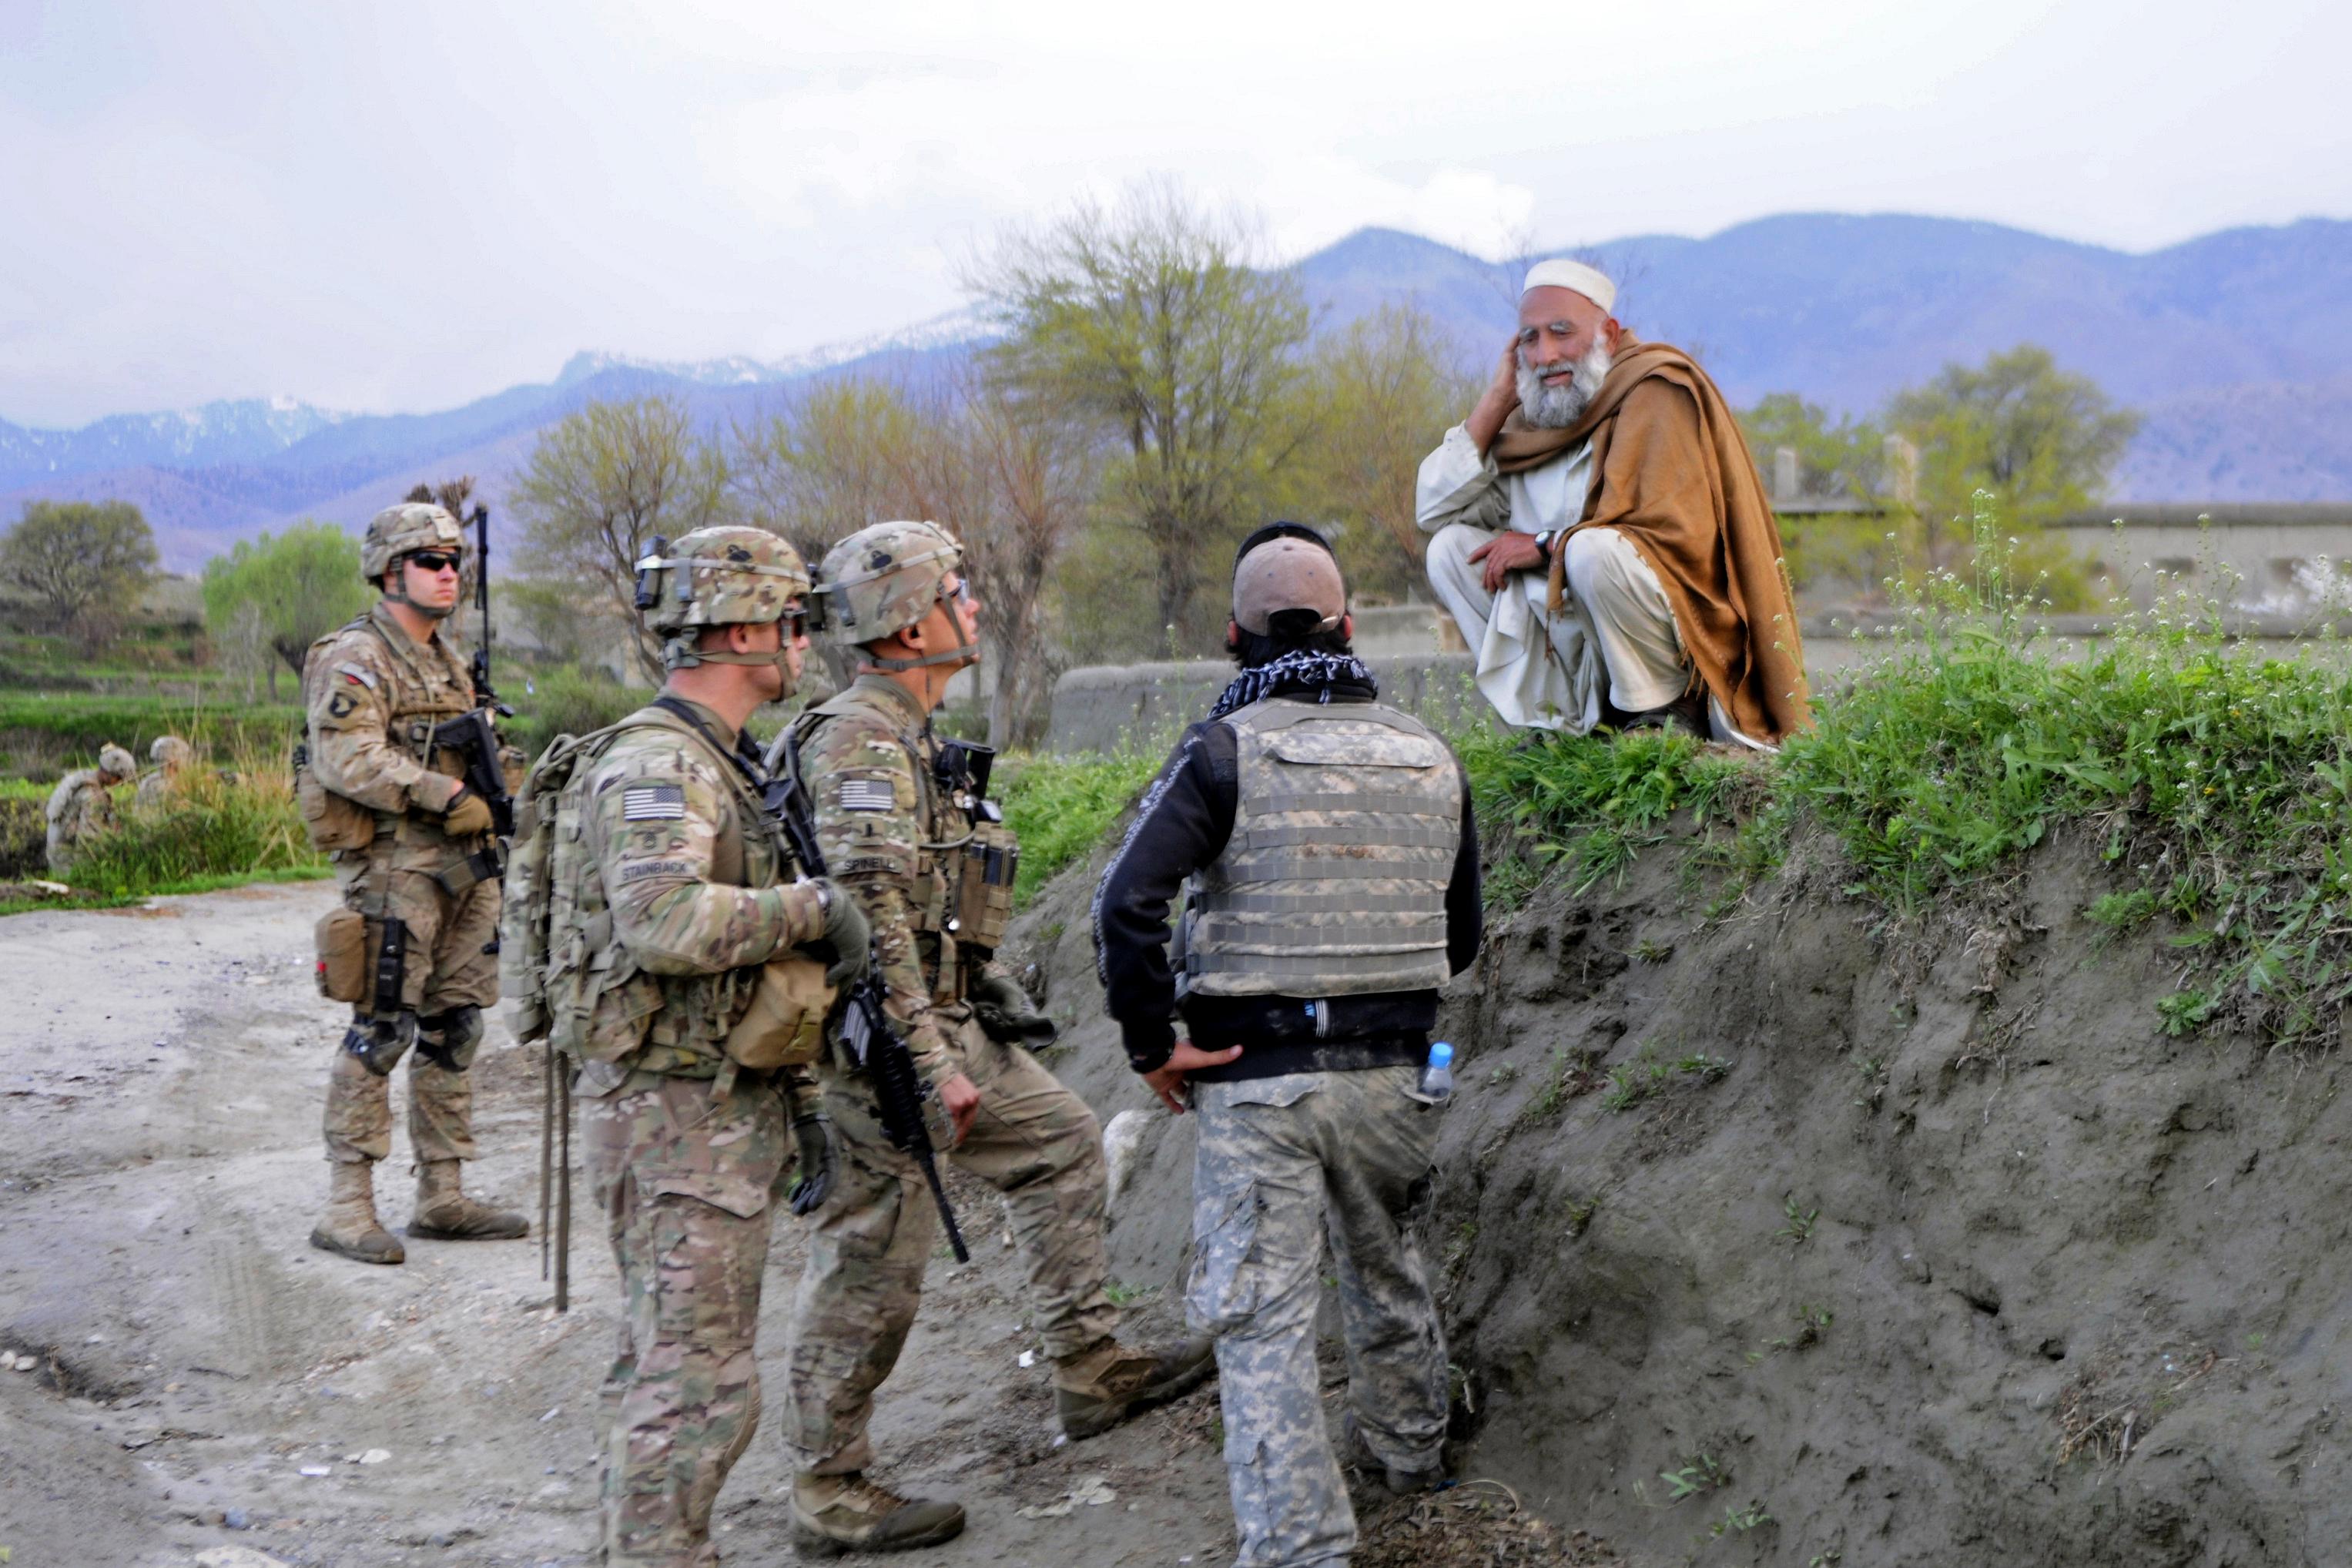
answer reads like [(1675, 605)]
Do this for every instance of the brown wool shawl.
[(1672, 473)]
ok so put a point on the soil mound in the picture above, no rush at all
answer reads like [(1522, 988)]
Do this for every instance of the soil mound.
[(1803, 1236)]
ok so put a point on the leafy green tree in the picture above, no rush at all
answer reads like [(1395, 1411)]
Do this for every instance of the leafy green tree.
[(1845, 460), (86, 561), (1149, 318), (2043, 440), (1382, 391), (276, 596), (603, 481)]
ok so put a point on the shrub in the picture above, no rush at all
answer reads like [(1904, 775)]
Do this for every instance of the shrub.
[(566, 702), (214, 825)]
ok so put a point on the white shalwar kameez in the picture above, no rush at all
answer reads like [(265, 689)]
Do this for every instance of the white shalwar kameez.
[(1543, 669)]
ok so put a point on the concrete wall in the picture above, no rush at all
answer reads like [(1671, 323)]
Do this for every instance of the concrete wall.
[(1144, 707), (2273, 559)]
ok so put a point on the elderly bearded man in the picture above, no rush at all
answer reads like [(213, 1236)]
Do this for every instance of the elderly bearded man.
[(1602, 538)]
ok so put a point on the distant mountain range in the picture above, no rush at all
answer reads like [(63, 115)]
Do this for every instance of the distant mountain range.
[(2235, 346)]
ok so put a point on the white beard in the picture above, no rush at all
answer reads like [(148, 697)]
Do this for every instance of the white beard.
[(1558, 408)]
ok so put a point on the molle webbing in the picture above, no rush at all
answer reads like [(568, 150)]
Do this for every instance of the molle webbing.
[(1346, 824)]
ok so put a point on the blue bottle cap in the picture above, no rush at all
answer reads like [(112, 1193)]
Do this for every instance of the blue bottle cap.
[(1441, 1054)]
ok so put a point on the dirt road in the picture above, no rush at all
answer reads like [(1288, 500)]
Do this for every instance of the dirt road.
[(205, 1385)]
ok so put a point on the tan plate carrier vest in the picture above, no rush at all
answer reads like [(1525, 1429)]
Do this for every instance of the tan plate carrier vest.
[(1347, 819)]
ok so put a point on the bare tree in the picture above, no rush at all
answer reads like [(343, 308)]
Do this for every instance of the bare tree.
[(607, 479), (1010, 477), (1385, 390), (1151, 319)]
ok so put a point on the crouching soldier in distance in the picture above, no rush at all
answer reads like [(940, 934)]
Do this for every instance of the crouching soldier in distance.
[(1332, 866), (660, 935), (174, 762), (413, 947), (80, 810), (918, 845)]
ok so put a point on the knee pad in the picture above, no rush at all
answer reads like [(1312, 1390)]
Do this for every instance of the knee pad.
[(449, 1038), (380, 1043)]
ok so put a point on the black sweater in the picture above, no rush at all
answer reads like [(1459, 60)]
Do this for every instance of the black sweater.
[(1183, 825)]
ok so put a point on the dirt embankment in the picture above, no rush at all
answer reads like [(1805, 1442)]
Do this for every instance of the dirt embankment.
[(1797, 1238)]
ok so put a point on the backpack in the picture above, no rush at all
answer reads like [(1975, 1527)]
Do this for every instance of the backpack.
[(541, 947)]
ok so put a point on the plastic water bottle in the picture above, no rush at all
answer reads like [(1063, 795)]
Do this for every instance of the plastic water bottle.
[(1437, 1077)]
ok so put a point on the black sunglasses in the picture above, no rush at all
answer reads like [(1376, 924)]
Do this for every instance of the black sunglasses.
[(433, 561)]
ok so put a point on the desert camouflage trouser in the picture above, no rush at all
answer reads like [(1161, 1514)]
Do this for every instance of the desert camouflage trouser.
[(1033, 1140), (686, 1183), (1283, 1162), (447, 968), (358, 1110)]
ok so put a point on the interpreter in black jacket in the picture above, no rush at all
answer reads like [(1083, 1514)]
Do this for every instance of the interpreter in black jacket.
[(1330, 856)]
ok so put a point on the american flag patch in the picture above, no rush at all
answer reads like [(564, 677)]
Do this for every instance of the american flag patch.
[(653, 803), (868, 794)]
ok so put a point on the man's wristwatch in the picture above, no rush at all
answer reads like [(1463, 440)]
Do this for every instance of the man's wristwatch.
[(1544, 541)]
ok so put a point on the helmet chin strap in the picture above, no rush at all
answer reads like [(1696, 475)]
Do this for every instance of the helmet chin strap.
[(679, 653), (430, 612), (966, 650)]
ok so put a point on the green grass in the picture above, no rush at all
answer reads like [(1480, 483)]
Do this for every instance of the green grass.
[(212, 882), (44, 734), (1063, 807)]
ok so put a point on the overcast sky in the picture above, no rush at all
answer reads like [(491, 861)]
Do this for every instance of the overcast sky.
[(397, 208)]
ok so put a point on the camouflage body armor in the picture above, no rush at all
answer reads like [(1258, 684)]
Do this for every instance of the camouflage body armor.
[(1333, 883), (591, 996), (961, 903)]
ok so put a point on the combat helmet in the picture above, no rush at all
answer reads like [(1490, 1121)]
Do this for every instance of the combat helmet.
[(115, 762), (718, 577), (884, 578), (171, 751), (398, 529)]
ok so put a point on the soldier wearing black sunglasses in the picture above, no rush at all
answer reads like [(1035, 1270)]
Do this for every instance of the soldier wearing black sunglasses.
[(412, 946)]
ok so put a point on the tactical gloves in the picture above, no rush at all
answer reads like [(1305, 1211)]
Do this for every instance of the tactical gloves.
[(467, 815), (1005, 1011), (812, 1137), (848, 933)]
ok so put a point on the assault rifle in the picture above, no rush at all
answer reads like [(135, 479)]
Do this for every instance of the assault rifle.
[(874, 1041), (471, 735)]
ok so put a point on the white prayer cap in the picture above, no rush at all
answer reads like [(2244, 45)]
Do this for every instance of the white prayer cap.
[(1562, 273)]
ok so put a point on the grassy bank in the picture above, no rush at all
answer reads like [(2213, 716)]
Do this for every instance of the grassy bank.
[(2218, 785)]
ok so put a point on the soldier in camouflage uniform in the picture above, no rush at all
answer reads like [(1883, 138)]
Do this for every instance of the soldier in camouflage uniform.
[(79, 808), (1331, 864), (173, 758), (410, 843), (682, 892), (896, 838)]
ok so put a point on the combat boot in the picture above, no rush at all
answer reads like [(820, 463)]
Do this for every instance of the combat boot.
[(349, 1226), (444, 1212), (1097, 1389), (1358, 1455), (834, 1514)]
